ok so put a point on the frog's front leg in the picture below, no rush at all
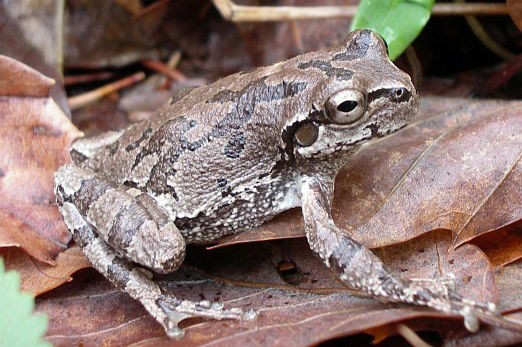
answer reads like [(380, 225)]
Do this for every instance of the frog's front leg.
[(360, 269), (116, 226)]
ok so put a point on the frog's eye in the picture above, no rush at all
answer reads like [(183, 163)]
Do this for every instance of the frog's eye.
[(346, 106)]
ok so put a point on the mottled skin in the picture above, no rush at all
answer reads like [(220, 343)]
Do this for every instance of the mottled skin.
[(228, 156)]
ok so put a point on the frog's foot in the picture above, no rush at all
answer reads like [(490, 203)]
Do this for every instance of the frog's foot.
[(168, 310), (137, 282), (177, 310), (440, 295)]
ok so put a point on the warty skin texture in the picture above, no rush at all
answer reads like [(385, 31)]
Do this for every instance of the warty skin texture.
[(235, 134), (226, 157)]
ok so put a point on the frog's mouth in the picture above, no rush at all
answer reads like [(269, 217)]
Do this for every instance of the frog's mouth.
[(329, 141), (333, 138)]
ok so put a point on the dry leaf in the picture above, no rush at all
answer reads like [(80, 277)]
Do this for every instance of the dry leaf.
[(38, 277), (34, 140), (509, 284), (458, 171), (502, 247), (292, 311), (21, 80)]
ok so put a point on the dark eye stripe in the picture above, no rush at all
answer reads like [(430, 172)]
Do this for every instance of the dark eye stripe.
[(325, 66), (392, 94)]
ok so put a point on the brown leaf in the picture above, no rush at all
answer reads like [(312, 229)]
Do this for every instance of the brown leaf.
[(292, 311), (435, 105), (21, 80), (509, 284), (458, 171), (38, 277), (286, 225), (503, 246), (445, 172), (34, 141), (471, 268)]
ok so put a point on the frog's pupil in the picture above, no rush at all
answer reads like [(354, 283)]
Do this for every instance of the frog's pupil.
[(347, 106)]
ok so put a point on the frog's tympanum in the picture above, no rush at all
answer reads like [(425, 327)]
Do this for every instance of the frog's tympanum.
[(227, 157)]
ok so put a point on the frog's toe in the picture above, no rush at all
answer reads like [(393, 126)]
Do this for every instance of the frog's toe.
[(442, 297), (177, 310), (471, 321), (174, 332)]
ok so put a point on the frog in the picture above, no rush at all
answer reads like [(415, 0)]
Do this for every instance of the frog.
[(226, 157)]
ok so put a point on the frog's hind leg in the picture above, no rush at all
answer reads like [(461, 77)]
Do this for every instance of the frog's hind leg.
[(135, 227), (116, 226)]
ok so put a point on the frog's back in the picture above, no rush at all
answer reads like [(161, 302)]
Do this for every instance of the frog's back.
[(212, 155), (233, 123), (225, 147)]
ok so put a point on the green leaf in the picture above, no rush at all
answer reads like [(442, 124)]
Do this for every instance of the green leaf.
[(19, 325), (397, 21)]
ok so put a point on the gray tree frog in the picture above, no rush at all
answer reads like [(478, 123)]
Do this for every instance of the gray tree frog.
[(226, 157)]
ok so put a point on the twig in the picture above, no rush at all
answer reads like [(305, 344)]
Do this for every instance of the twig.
[(416, 66), (485, 38), (160, 67), (471, 9), (82, 100), (173, 61), (411, 336), (499, 78), (242, 13), (86, 78)]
